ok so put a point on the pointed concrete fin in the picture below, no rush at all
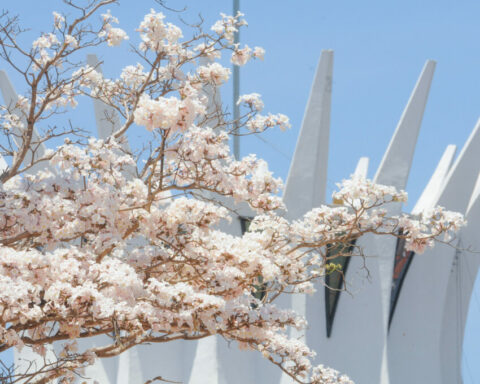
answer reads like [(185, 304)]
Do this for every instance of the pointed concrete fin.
[(396, 162), (106, 117), (394, 170), (10, 99), (473, 209), (98, 372), (430, 193), (461, 179), (475, 194), (3, 165), (129, 368), (307, 178), (205, 365), (362, 167)]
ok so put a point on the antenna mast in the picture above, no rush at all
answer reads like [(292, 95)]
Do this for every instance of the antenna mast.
[(236, 89)]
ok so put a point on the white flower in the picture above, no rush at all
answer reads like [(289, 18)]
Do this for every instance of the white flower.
[(158, 35), (70, 40), (252, 100), (208, 51), (228, 25), (259, 53), (58, 20), (45, 41), (133, 75), (259, 123), (213, 73), (241, 56), (113, 36), (167, 112)]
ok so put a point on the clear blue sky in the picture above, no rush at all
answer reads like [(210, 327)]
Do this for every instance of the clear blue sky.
[(380, 48)]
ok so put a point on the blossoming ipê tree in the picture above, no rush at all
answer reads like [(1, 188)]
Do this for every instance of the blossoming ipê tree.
[(94, 241)]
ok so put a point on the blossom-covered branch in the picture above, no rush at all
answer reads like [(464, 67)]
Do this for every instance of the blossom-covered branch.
[(97, 243)]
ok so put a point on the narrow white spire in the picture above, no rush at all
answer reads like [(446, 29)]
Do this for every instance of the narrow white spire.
[(461, 179), (129, 368), (394, 170), (3, 165), (206, 367), (434, 186), (396, 162), (475, 194), (362, 167), (425, 327), (106, 116), (10, 99), (307, 178)]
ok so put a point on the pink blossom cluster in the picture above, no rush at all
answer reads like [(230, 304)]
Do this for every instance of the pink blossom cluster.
[(114, 36), (252, 100), (157, 35), (98, 243)]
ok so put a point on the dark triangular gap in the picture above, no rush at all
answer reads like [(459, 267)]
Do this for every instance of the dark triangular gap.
[(245, 223), (403, 259), (334, 281)]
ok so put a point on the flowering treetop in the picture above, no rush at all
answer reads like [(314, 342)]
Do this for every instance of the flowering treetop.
[(92, 243)]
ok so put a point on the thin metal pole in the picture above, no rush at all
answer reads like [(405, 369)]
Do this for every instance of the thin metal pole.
[(236, 88)]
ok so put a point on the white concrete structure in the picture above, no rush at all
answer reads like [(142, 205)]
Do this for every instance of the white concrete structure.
[(402, 324), (10, 99), (431, 311)]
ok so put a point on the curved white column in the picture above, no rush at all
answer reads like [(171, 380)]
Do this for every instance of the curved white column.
[(362, 167), (307, 180), (3, 165), (427, 200), (361, 317), (206, 367), (430, 194), (461, 282), (10, 99), (416, 332)]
